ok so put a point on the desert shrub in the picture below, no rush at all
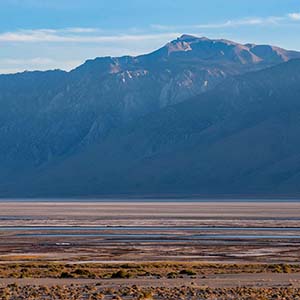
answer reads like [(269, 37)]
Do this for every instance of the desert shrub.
[(172, 275), (187, 272), (286, 269), (120, 274), (66, 275), (146, 295), (82, 272)]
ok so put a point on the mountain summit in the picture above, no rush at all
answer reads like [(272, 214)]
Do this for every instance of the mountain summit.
[(225, 51)]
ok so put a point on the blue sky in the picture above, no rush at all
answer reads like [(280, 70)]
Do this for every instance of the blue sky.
[(47, 34)]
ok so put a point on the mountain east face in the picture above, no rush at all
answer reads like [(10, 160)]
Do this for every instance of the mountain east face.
[(198, 116)]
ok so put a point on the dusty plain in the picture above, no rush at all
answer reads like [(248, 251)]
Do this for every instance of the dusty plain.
[(149, 250)]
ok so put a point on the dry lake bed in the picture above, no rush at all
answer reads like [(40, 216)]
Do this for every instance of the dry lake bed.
[(150, 250)]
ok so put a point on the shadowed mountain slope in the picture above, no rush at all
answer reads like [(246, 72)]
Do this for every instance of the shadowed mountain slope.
[(242, 137)]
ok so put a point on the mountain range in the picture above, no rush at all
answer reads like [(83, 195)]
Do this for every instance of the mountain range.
[(196, 117)]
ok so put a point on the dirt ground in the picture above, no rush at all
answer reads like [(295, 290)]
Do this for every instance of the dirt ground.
[(139, 233), (212, 281)]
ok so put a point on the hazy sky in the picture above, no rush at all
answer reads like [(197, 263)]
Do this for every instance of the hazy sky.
[(47, 34)]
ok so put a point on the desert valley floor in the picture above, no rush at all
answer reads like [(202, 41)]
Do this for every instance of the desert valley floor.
[(150, 250)]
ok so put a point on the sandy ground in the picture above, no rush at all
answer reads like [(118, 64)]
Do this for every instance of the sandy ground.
[(215, 281)]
